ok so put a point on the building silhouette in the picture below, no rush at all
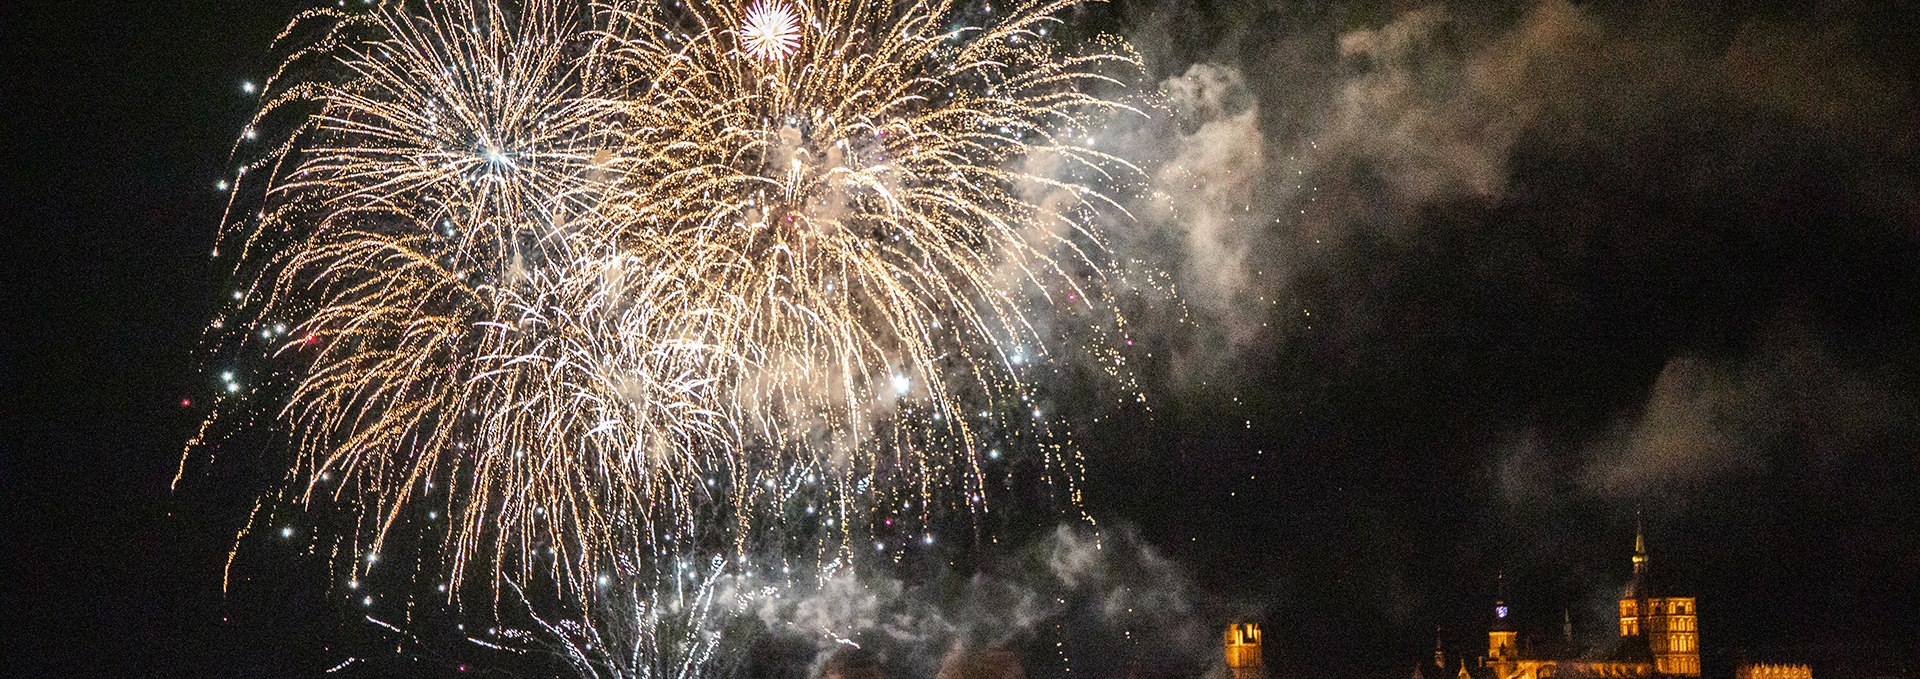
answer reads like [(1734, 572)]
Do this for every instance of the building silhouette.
[(1659, 636), (1773, 671)]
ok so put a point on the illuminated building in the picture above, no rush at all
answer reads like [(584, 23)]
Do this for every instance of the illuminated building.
[(1769, 671), (1667, 623), (1659, 636), (1243, 652)]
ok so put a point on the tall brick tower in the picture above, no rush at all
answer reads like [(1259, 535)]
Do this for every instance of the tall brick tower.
[(1243, 652), (1668, 623)]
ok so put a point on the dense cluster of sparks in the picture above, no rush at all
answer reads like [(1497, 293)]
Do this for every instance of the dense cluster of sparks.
[(770, 31), (612, 283)]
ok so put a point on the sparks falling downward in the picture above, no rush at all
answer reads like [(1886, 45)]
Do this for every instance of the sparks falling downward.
[(605, 284)]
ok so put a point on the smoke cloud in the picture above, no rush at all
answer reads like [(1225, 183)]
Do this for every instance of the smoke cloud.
[(1708, 420), (1278, 152), (1110, 598)]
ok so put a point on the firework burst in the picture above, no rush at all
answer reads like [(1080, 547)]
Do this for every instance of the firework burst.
[(770, 31), (604, 292)]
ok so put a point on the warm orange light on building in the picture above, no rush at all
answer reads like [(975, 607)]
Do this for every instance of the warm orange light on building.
[(1244, 660), (1669, 624), (1659, 637), (1770, 671)]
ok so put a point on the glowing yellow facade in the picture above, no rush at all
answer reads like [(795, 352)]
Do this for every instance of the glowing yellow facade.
[(1669, 624), (1244, 659), (1503, 646), (1769, 671), (1547, 669), (1671, 629)]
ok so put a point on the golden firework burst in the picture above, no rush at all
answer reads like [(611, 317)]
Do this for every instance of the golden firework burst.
[(597, 290)]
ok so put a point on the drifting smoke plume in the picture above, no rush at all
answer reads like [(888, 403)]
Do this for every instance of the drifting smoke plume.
[(1289, 154), (1207, 184), (1073, 601), (1110, 598), (1707, 420)]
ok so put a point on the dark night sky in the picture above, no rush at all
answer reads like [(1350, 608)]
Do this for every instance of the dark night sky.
[(1506, 272)]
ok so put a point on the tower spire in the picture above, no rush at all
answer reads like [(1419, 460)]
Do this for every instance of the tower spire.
[(1502, 642), (1639, 537), (1500, 621), (1639, 586)]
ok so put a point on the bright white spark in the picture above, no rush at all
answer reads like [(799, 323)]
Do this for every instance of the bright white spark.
[(771, 31)]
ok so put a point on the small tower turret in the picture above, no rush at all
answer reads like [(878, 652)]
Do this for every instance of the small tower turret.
[(1503, 644), (1243, 652)]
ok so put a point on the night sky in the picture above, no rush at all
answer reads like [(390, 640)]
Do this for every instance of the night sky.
[(1470, 284)]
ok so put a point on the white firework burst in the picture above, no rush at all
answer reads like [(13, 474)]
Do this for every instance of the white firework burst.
[(770, 32)]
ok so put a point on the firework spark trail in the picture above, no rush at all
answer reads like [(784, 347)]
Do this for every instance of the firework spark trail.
[(612, 283), (650, 629)]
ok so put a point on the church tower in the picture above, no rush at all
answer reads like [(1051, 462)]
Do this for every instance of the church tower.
[(1243, 652), (1503, 643), (1668, 623), (1634, 602)]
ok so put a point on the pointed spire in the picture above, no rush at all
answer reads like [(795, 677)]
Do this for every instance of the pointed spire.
[(1439, 655), (1463, 670), (1638, 587), (1566, 626), (1639, 538)]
